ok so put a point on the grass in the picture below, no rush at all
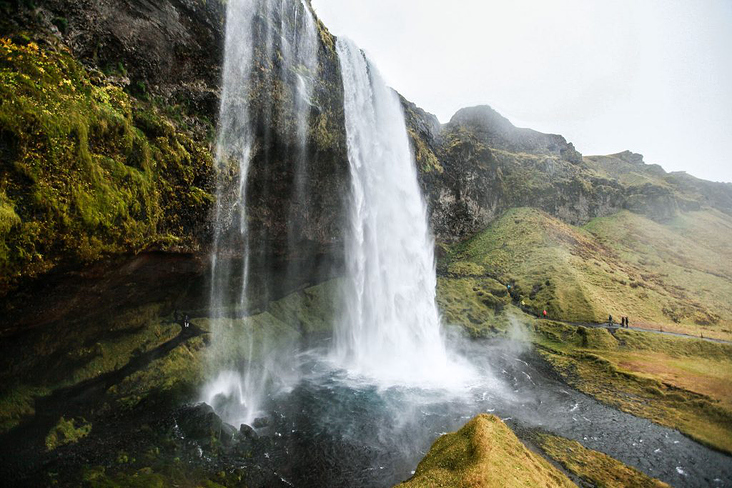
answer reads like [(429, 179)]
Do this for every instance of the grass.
[(594, 467), (473, 302), (623, 265), (684, 267), (484, 453), (675, 276), (676, 382)]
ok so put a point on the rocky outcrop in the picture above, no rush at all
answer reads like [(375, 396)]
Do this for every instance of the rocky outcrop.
[(490, 166), (170, 48), (479, 165)]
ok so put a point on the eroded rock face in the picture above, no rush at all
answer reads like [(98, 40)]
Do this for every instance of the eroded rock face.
[(170, 48), (479, 165), (489, 166)]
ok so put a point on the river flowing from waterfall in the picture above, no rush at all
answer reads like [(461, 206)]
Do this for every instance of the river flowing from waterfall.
[(334, 429)]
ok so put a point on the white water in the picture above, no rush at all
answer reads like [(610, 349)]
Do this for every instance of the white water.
[(243, 367), (390, 329)]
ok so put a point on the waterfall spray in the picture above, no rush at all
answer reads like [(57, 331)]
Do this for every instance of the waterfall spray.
[(242, 364), (390, 327)]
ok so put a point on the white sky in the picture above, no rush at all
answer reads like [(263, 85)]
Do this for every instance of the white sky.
[(651, 76)]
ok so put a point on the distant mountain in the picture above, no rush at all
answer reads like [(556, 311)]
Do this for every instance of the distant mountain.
[(479, 165)]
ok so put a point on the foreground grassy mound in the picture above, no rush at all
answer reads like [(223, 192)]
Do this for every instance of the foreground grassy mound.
[(484, 453), (87, 169), (623, 265), (594, 467), (676, 382)]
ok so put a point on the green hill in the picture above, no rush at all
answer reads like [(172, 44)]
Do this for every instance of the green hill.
[(676, 275)]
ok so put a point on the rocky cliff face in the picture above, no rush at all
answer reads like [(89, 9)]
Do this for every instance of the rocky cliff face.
[(162, 63), (479, 165), (171, 48), (489, 166)]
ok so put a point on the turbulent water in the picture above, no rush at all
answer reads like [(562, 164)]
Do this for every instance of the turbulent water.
[(287, 31), (390, 327), (333, 430)]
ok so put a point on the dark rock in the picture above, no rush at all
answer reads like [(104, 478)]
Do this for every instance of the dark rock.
[(247, 432), (260, 422), (201, 424)]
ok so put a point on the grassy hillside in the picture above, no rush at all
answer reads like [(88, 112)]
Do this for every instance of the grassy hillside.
[(682, 383), (594, 467), (676, 276)]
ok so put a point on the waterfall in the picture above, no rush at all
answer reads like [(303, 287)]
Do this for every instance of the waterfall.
[(390, 327), (271, 46)]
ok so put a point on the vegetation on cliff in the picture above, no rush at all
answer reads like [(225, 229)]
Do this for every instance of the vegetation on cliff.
[(87, 169)]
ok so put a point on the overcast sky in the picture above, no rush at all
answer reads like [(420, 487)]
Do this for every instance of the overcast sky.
[(652, 76)]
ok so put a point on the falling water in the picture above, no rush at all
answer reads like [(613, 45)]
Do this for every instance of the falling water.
[(243, 367), (390, 329)]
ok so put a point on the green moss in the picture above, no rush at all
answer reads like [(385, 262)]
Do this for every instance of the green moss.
[(48, 360), (594, 467), (176, 375), (475, 303), (17, 401), (67, 432), (82, 179), (424, 156), (311, 310), (484, 453)]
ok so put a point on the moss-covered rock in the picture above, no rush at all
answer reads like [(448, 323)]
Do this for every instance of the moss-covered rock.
[(484, 453), (594, 467), (67, 432), (88, 170)]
